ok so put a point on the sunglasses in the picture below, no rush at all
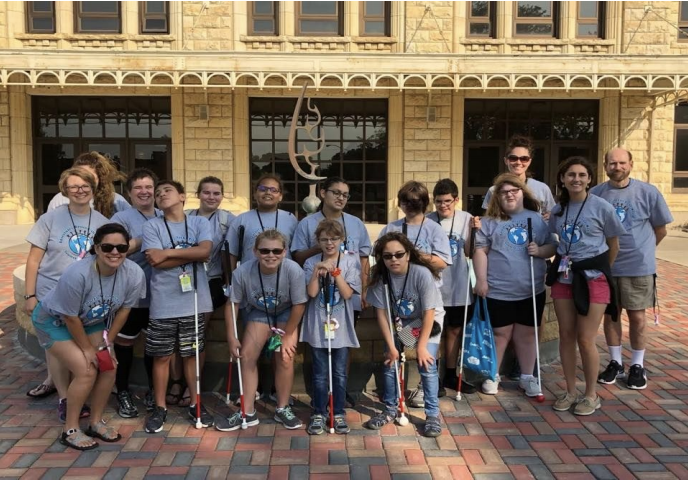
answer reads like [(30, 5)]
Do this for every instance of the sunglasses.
[(266, 251), (514, 158), (121, 248), (388, 256)]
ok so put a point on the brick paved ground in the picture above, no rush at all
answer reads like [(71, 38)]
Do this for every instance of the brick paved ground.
[(635, 435)]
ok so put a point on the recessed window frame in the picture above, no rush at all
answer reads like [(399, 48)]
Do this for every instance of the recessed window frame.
[(79, 15), (682, 24), (674, 173), (253, 16), (386, 18), (551, 20), (339, 16), (491, 20), (598, 20), (32, 14), (145, 15)]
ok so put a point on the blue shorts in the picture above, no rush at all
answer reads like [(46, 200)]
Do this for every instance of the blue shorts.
[(251, 313), (50, 329)]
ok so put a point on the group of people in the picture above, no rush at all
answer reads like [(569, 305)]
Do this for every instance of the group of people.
[(94, 285)]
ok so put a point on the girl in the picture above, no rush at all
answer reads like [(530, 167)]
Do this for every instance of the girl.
[(333, 279), (413, 297), (502, 268), (588, 230), (72, 322), (273, 289)]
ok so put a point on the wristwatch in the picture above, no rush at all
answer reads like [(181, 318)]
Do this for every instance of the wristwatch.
[(28, 297)]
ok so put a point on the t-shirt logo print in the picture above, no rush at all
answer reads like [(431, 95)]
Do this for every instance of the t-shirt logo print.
[(97, 310), (456, 244), (405, 307), (571, 233), (518, 235), (79, 244), (270, 302), (622, 210)]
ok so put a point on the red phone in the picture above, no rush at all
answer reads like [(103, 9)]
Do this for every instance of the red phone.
[(105, 362)]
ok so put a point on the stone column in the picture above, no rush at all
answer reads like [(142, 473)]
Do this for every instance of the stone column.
[(19, 181), (395, 152), (609, 128), (242, 164), (457, 126), (240, 24), (505, 25), (567, 24), (64, 23)]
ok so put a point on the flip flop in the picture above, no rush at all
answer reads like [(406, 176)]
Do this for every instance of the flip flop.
[(79, 437), (41, 391), (92, 431)]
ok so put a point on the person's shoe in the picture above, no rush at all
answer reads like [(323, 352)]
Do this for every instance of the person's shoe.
[(340, 425), (317, 425), (206, 419), (228, 424), (467, 388), (491, 387), (565, 402), (441, 391), (378, 421), (156, 420), (613, 371), (529, 385), (126, 409), (273, 397), (417, 398), (286, 417), (350, 401), (515, 373), (433, 427), (637, 378), (149, 400), (62, 410), (587, 406)]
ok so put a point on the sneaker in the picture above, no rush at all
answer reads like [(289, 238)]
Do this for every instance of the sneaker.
[(286, 417), (530, 385), (156, 420), (637, 377), (613, 371), (565, 402), (441, 392), (491, 387), (350, 401), (433, 427), (228, 424), (317, 425), (450, 379), (467, 388), (380, 420), (62, 410), (127, 409), (587, 406), (340, 425), (417, 398), (149, 400), (206, 419), (273, 397), (515, 373)]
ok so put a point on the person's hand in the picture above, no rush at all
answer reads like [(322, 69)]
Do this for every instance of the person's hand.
[(481, 288), (534, 249), (156, 256), (113, 357), (545, 216), (475, 222), (323, 268), (289, 346), (30, 305), (391, 356), (425, 359), (91, 358), (234, 348), (364, 301)]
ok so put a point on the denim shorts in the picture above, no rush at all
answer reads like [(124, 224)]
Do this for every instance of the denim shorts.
[(50, 329), (255, 315)]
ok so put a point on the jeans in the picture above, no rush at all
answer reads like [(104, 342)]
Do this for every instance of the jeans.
[(321, 382), (429, 379)]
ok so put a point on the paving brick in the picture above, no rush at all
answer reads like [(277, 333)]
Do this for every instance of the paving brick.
[(25, 461), (197, 472), (241, 458), (298, 472), (249, 470), (55, 473), (411, 477)]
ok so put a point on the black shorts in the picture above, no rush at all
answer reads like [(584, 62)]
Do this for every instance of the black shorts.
[(167, 335), (135, 324), (453, 315), (217, 294), (506, 313)]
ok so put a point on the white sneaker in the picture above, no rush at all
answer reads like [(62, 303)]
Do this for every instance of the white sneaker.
[(530, 386), (491, 387)]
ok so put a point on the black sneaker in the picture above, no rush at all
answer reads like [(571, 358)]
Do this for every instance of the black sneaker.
[(433, 427), (127, 409), (156, 420), (234, 422), (317, 425), (637, 378), (515, 373), (206, 419), (441, 391), (340, 425), (467, 388), (286, 417), (613, 371), (149, 400)]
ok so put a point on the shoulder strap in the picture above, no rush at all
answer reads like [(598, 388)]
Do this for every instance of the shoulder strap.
[(224, 221)]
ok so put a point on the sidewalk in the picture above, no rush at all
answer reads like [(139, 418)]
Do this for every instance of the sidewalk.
[(636, 434)]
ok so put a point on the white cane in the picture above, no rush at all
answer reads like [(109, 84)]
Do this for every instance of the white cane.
[(244, 425), (540, 397), (402, 419)]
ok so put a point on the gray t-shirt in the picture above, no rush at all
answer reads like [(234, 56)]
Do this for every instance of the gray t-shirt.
[(167, 298), (420, 295), (60, 199), (55, 233), (246, 288), (429, 237), (313, 331), (251, 220), (508, 262), (219, 225), (133, 220), (640, 208), (78, 292), (586, 238), (455, 277), (540, 190)]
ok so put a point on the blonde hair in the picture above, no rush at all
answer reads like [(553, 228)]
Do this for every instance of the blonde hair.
[(494, 208), (329, 226), (83, 174), (270, 235)]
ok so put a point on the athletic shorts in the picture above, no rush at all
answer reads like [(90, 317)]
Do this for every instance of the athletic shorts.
[(598, 290), (453, 315), (217, 294), (165, 336), (635, 292), (50, 329), (135, 324), (506, 313)]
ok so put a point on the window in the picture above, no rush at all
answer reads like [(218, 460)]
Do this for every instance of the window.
[(320, 18), (683, 21), (154, 17), (536, 19), (40, 17), (590, 20), (375, 19), (680, 181), (263, 19), (97, 17), (481, 19)]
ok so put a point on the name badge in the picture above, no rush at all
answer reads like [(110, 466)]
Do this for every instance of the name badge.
[(564, 266), (185, 282)]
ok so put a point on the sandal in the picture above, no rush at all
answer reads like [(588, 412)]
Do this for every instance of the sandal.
[(41, 391), (74, 437), (185, 401), (175, 398), (103, 432)]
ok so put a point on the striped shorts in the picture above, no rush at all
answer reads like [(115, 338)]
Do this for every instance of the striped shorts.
[(167, 335)]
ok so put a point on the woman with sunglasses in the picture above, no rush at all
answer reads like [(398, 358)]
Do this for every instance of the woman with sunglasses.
[(82, 315), (333, 280), (273, 290), (60, 238), (412, 282), (502, 268)]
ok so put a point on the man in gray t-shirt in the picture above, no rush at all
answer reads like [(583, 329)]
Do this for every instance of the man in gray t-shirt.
[(643, 212)]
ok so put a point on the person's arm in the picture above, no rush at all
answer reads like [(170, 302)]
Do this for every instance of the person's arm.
[(544, 251), (302, 255), (436, 262), (291, 331), (425, 359), (233, 261), (313, 287), (480, 268), (392, 352), (660, 234), (171, 258), (345, 291), (76, 329), (33, 261), (613, 244), (365, 275), (473, 224), (135, 245)]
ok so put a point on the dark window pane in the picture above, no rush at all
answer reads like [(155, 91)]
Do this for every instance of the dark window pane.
[(319, 8), (153, 157), (259, 130), (480, 28), (42, 23), (261, 151), (480, 9), (55, 159), (534, 9), (353, 129), (537, 165), (375, 27), (374, 8), (263, 26), (588, 30), (100, 24), (319, 26), (375, 171), (681, 161), (155, 7), (99, 7), (681, 182), (533, 29), (483, 165), (684, 11), (111, 151), (157, 24), (587, 9), (263, 8), (42, 6), (681, 114), (353, 171)]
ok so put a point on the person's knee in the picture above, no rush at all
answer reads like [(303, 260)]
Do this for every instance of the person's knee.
[(585, 341), (162, 360)]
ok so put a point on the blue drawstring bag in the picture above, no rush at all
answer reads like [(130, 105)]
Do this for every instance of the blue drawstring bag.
[(480, 353)]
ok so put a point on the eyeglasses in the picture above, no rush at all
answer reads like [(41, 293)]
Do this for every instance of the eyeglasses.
[(76, 189), (388, 256), (514, 158), (270, 189), (343, 195), (444, 201), (266, 251), (509, 192), (121, 248), (329, 240)]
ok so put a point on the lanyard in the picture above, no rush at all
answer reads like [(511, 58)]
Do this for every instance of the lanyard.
[(403, 290), (146, 217), (102, 296), (573, 228), (210, 218), (404, 228), (186, 241), (262, 228), (346, 238), (451, 229), (88, 232), (262, 289)]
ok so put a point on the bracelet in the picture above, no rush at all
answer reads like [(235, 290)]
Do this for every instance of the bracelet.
[(336, 272)]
